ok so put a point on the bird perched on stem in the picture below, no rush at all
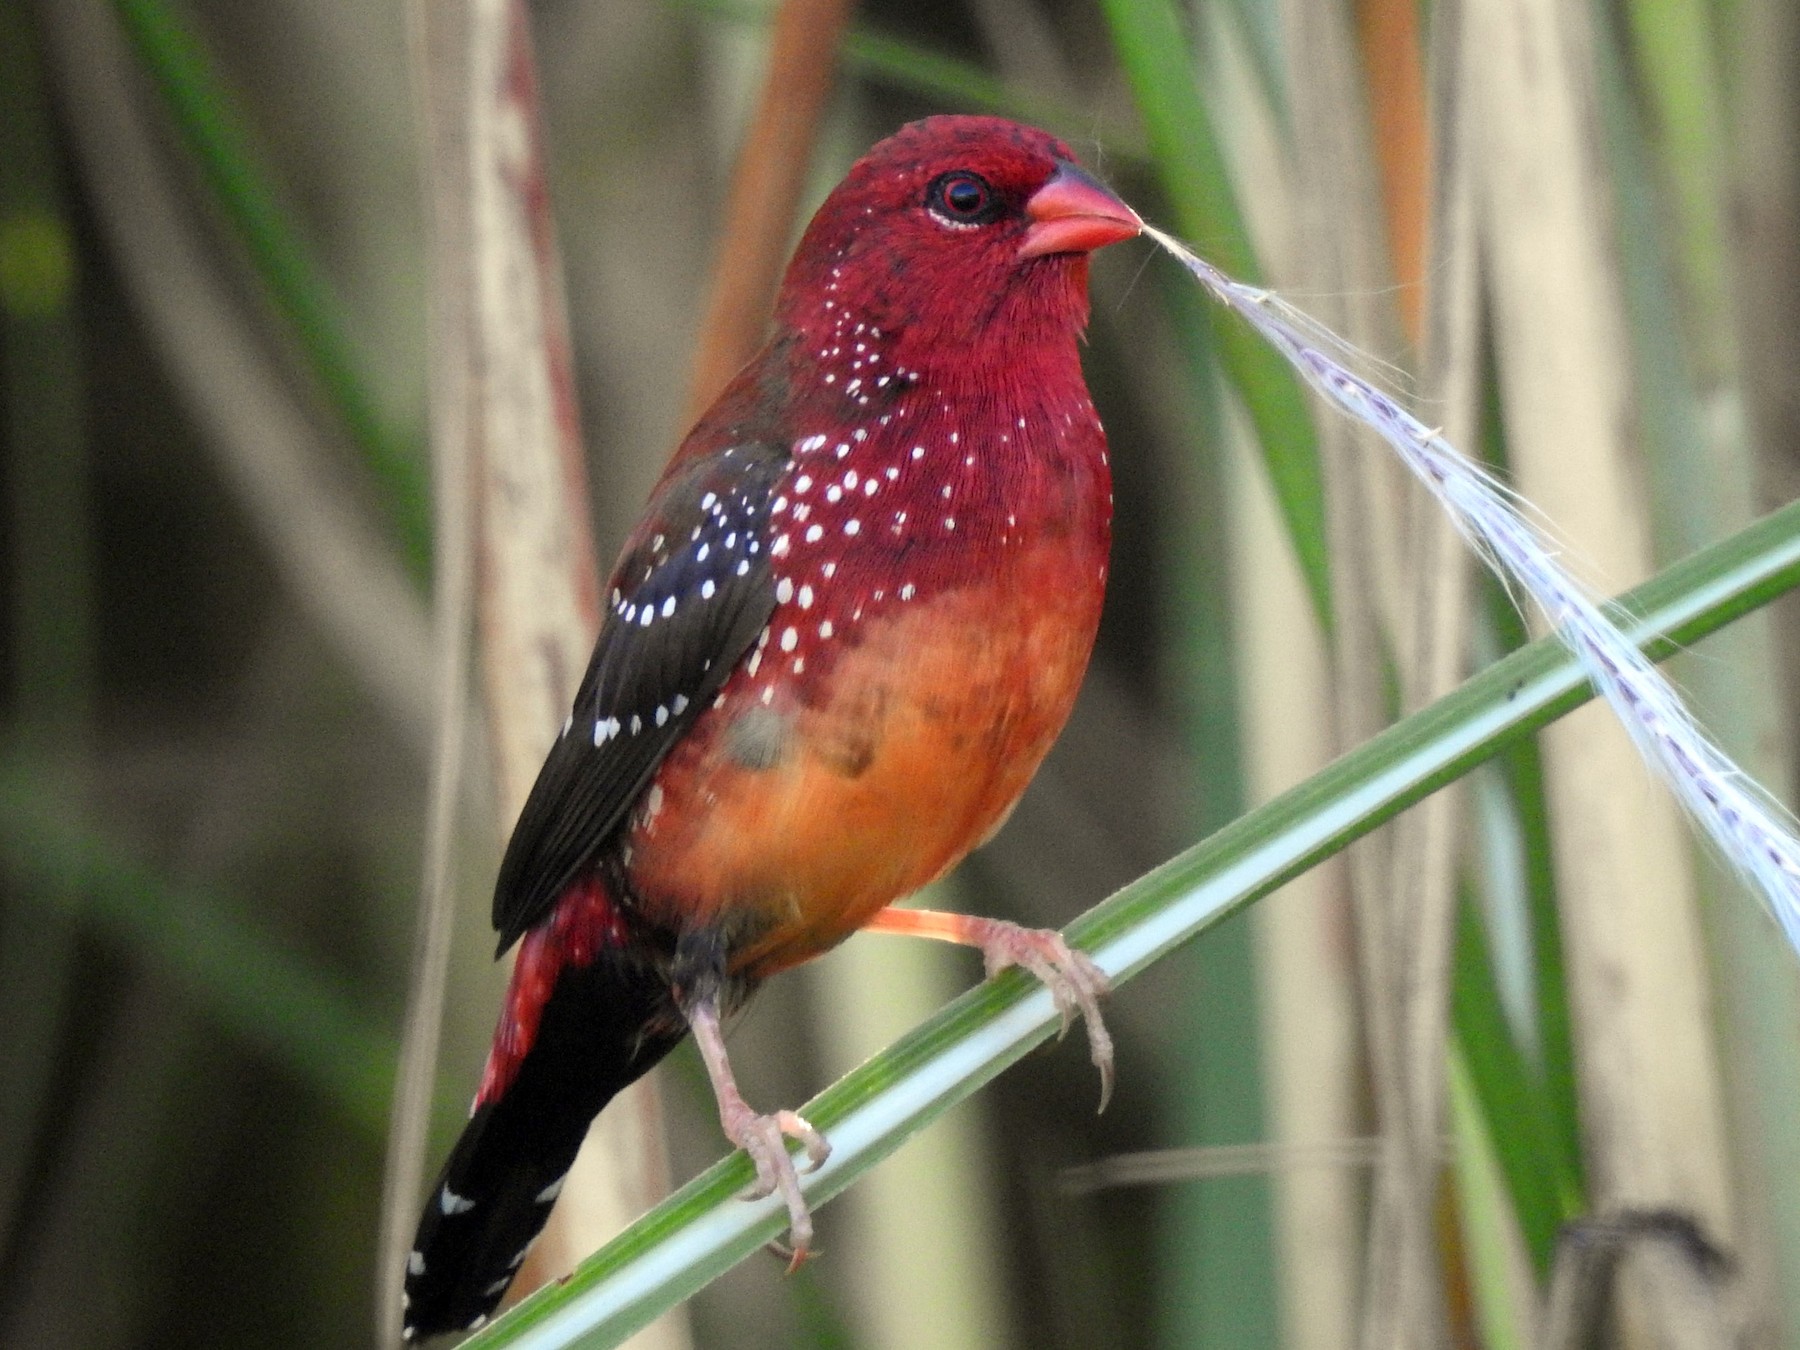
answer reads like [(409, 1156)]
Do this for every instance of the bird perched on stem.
[(851, 621)]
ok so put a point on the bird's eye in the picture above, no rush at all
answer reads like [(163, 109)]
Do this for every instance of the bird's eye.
[(962, 198)]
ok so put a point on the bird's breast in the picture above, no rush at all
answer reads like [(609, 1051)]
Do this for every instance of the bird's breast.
[(925, 650)]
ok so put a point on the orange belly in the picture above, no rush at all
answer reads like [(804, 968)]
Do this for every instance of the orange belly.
[(789, 817)]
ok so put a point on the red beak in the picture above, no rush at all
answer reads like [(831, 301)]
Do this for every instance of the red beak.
[(1075, 213)]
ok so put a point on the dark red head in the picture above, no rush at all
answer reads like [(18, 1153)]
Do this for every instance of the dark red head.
[(956, 236)]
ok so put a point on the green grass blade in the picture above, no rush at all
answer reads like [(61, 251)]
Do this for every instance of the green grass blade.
[(1154, 52), (253, 988), (703, 1229), (213, 133), (1543, 1178)]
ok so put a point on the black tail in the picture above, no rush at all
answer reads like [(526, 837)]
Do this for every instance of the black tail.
[(604, 1026)]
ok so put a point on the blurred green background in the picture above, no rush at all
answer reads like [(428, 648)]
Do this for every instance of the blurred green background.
[(216, 693)]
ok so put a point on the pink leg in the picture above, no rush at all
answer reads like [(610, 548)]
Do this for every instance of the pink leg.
[(1075, 982), (763, 1137)]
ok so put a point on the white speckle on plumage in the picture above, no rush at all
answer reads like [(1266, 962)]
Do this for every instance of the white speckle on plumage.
[(918, 452), (645, 615), (768, 693), (789, 639), (668, 609), (615, 597), (828, 571), (779, 506), (701, 553), (968, 461), (955, 436), (825, 629), (415, 1263), (449, 1202), (662, 715), (806, 597), (870, 485), (657, 543), (854, 385), (802, 483), (850, 478), (754, 663), (678, 704), (497, 1287), (629, 613), (908, 591), (947, 491), (637, 724), (814, 533), (834, 493), (859, 434), (799, 664), (852, 526), (780, 550), (949, 522), (784, 591), (743, 568), (893, 473), (830, 379), (843, 449)]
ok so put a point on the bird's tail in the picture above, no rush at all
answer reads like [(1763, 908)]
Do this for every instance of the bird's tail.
[(583, 1020)]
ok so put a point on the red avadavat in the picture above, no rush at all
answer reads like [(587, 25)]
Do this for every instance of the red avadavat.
[(846, 631)]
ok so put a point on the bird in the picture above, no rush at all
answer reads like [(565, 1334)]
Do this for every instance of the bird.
[(836, 646)]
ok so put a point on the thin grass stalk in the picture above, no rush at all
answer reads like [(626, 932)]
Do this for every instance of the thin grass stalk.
[(1401, 910), (538, 598), (705, 1228), (1651, 1095), (1312, 1062), (1705, 469), (438, 52)]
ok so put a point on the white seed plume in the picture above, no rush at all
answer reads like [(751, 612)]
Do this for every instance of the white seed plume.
[(1749, 827)]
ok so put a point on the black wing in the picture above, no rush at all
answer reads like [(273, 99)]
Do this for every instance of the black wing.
[(690, 595)]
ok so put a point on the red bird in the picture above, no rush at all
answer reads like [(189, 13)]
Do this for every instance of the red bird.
[(839, 643)]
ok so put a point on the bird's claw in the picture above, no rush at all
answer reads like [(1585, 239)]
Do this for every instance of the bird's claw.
[(1076, 984), (764, 1138)]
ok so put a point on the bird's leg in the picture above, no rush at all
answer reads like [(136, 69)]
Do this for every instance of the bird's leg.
[(763, 1137), (1075, 982)]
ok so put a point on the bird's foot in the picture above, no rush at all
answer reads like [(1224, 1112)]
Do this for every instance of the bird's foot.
[(764, 1138), (1074, 981)]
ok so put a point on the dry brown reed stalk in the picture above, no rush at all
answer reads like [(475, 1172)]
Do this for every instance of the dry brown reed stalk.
[(504, 380), (1649, 1076), (1400, 877), (766, 187)]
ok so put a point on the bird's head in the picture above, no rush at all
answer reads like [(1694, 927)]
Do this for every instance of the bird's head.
[(958, 238)]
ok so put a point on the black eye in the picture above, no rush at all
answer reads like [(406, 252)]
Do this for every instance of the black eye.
[(963, 198)]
